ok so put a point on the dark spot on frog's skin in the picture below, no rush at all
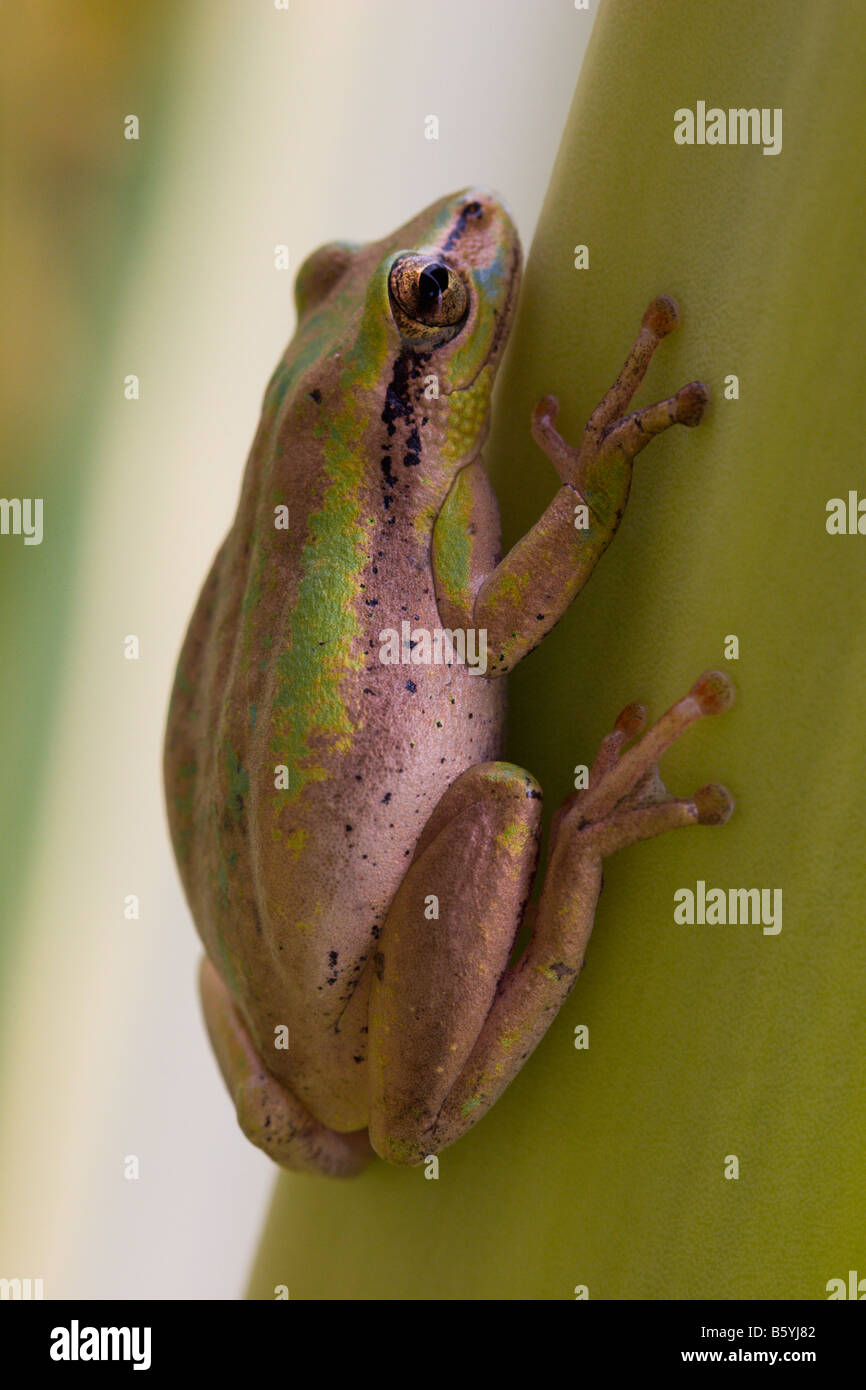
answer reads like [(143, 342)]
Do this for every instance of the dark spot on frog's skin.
[(267, 1121), (386, 798), (357, 1059), (412, 457), (390, 478), (379, 965), (532, 794), (371, 603), (332, 957), (397, 405), (316, 395), (348, 829), (561, 970), (539, 617), (358, 777), (412, 687)]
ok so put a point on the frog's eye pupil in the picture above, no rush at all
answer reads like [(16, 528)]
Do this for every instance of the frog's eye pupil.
[(432, 283), (473, 210)]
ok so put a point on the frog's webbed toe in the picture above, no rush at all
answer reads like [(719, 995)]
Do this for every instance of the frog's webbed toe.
[(269, 1115)]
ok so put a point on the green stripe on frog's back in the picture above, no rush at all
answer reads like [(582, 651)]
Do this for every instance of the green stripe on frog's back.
[(324, 622)]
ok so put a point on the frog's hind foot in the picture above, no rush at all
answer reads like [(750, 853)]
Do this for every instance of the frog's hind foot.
[(626, 799), (269, 1115)]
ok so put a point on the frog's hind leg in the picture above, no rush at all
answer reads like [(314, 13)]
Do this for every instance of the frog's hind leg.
[(626, 801), (443, 949), (268, 1114)]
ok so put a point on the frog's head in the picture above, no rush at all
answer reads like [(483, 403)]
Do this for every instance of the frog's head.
[(448, 282), (416, 323), (452, 285)]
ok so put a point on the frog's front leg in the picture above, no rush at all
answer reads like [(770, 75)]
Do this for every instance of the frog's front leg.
[(450, 1023), (517, 601), (269, 1115)]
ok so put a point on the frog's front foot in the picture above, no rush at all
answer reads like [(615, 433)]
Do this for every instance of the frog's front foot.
[(269, 1115), (610, 436)]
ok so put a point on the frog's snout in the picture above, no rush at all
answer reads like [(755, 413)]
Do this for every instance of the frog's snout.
[(481, 211)]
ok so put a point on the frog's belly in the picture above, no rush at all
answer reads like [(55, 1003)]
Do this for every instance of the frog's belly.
[(327, 862)]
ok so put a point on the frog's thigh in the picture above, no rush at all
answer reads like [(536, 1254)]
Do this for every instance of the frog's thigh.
[(444, 947), (268, 1114)]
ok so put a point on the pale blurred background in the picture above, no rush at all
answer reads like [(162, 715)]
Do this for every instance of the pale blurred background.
[(258, 126)]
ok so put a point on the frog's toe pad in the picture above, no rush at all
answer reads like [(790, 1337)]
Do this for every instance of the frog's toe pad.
[(714, 803), (692, 402), (662, 316)]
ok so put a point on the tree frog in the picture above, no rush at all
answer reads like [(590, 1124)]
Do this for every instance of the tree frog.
[(357, 857)]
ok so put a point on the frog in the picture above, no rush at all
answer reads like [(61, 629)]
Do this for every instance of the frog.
[(357, 856)]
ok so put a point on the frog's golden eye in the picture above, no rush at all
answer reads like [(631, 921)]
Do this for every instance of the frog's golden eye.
[(429, 300)]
